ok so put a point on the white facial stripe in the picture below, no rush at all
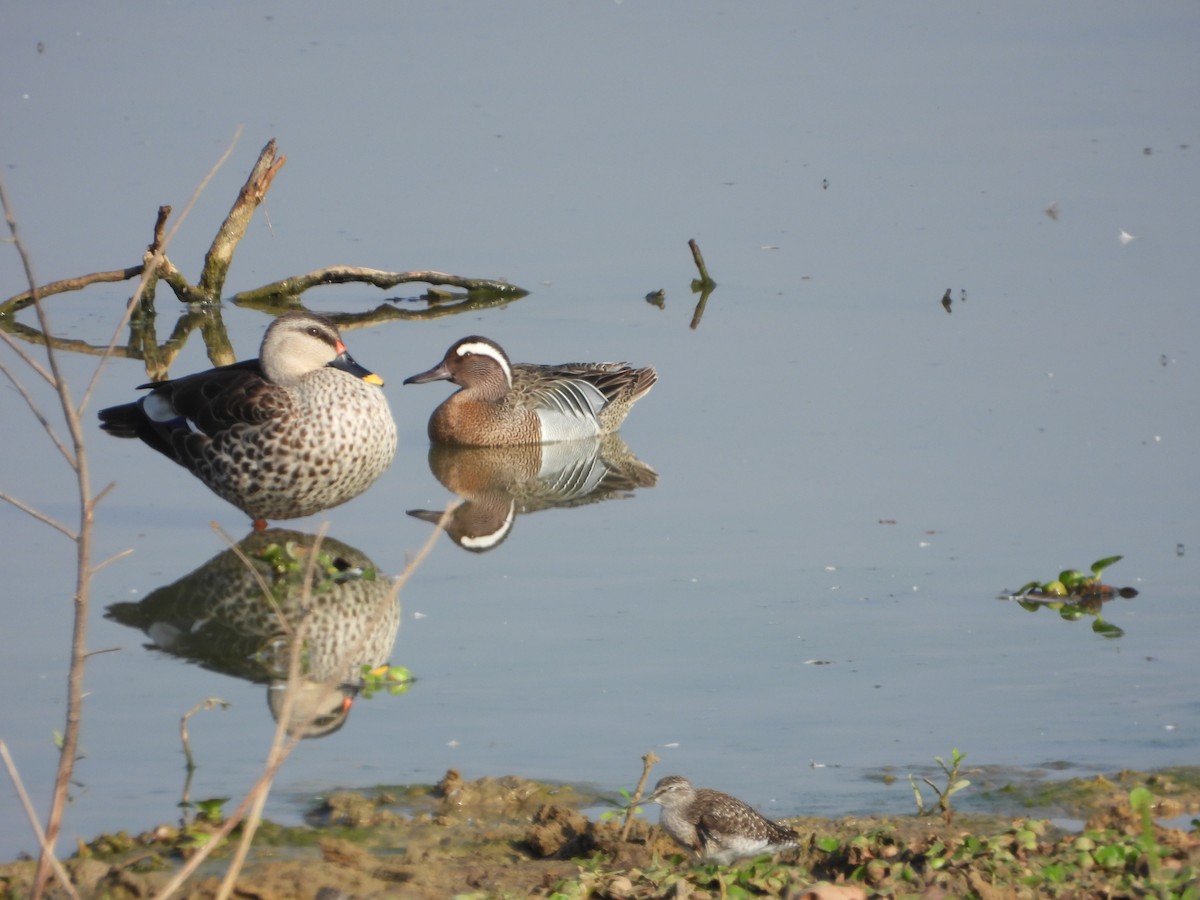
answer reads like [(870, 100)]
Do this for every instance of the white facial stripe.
[(482, 349), (487, 541)]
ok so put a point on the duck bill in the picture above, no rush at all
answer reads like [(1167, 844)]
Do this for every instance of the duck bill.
[(346, 363), (432, 516), (440, 372)]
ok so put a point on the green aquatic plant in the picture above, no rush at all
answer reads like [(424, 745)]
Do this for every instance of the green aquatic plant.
[(211, 810), (954, 784), (620, 808), (1073, 583), (1074, 594), (392, 679)]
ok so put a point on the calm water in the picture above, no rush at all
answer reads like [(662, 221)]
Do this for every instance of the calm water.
[(846, 474)]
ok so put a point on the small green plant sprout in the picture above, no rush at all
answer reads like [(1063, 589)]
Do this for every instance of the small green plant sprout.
[(384, 677), (1142, 802), (619, 808), (954, 784), (210, 810)]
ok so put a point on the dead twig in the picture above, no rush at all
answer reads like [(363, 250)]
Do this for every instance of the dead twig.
[(704, 278), (704, 285), (31, 815), (648, 763), (220, 253), (202, 706), (25, 298)]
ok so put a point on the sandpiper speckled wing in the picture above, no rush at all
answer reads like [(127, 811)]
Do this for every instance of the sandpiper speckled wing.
[(503, 404), (715, 826), (296, 431)]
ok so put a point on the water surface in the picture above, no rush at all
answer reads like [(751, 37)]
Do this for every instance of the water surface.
[(846, 473)]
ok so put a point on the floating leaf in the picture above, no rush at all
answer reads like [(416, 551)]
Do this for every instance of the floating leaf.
[(1101, 564), (1071, 578), (1106, 629)]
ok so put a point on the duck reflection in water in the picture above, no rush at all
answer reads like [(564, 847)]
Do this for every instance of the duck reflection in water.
[(220, 618), (498, 483)]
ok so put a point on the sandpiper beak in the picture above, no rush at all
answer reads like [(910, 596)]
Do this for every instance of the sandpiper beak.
[(346, 363), (440, 372)]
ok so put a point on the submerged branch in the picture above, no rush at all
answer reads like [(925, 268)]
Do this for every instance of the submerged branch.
[(25, 298), (298, 284), (704, 278), (704, 285)]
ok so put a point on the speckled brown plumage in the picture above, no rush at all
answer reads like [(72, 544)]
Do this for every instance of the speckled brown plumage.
[(299, 430), (217, 616), (504, 404), (715, 826)]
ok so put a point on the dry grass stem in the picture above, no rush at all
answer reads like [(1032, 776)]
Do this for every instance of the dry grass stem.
[(31, 815)]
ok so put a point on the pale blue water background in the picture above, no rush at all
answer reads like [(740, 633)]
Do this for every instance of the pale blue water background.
[(574, 149)]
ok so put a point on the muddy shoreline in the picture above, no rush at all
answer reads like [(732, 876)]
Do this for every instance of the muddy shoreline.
[(510, 837)]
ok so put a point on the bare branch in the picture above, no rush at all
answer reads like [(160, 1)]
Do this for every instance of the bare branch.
[(160, 224), (26, 358), (698, 259), (39, 415), (104, 492), (112, 559), (298, 284), (202, 706), (40, 516), (648, 762), (220, 254), (704, 285), (25, 298)]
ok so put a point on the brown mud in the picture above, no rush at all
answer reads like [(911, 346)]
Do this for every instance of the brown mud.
[(508, 837)]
